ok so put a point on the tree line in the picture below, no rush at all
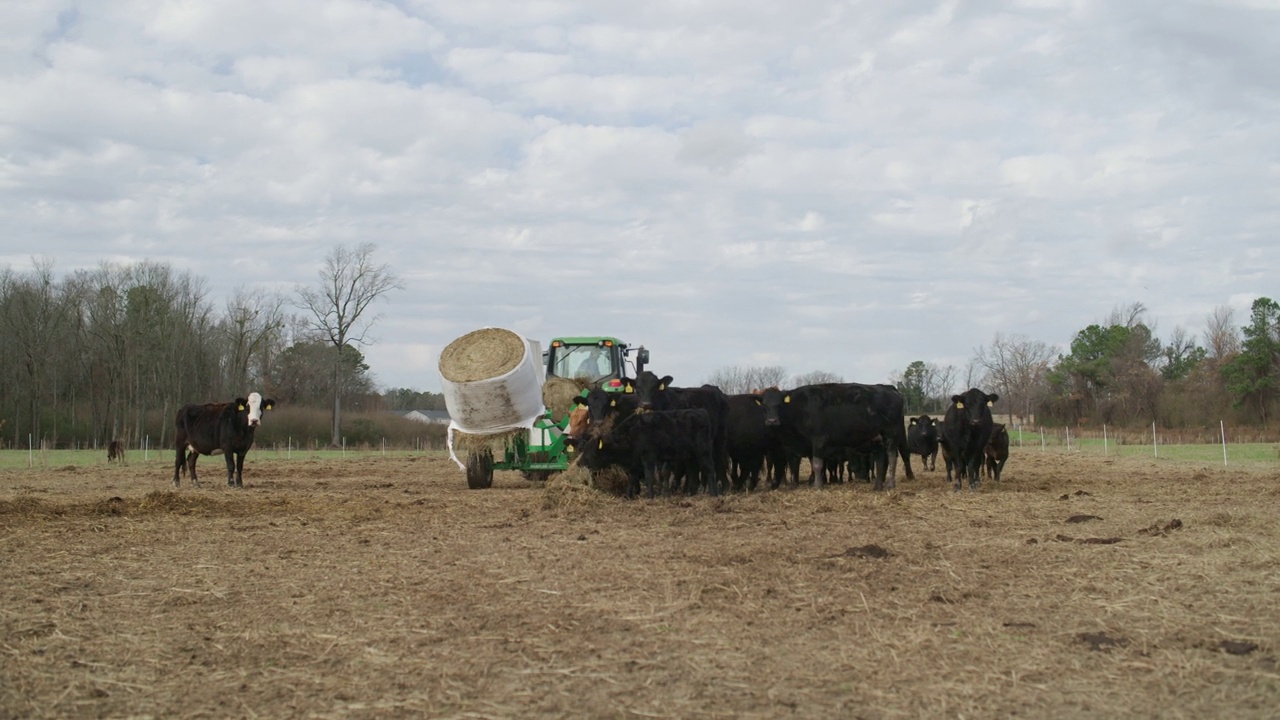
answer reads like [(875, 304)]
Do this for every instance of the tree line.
[(112, 352), (1115, 372)]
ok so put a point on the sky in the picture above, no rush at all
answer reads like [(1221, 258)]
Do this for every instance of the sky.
[(836, 186)]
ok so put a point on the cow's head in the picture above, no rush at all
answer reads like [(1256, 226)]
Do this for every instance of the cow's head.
[(254, 406), (772, 400), (973, 407), (651, 391)]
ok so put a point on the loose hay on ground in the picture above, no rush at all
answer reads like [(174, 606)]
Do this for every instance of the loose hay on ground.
[(388, 589)]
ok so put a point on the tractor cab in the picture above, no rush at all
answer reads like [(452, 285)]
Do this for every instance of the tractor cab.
[(603, 361)]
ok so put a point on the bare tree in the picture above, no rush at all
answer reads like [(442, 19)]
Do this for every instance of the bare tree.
[(1221, 334), (816, 377), (254, 318), (349, 284), (1016, 367), (735, 379)]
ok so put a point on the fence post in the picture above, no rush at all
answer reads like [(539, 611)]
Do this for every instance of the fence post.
[(1104, 438), (1067, 428), (1222, 427), (1155, 447), (1041, 439), (344, 446), (31, 450)]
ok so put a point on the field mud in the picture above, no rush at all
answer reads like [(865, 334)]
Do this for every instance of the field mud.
[(374, 588)]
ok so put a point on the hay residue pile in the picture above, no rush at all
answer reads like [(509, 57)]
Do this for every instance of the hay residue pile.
[(578, 486), (481, 354)]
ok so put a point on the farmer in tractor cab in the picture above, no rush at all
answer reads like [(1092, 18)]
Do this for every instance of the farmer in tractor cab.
[(591, 367)]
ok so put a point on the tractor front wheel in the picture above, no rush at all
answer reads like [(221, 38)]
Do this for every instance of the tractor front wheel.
[(480, 470)]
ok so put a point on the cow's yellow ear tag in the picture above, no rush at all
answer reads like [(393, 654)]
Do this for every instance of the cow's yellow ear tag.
[(601, 445), (959, 406), (662, 386), (240, 408), (786, 399), (613, 403), (990, 404), (628, 388)]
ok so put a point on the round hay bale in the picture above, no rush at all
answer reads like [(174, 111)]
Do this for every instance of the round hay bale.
[(481, 354), (558, 394)]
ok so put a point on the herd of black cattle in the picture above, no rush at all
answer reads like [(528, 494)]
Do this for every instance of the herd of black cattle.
[(694, 439)]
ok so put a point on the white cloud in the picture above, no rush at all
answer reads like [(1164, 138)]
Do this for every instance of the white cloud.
[(823, 186)]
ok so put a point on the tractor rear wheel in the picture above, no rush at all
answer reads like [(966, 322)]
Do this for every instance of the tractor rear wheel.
[(480, 470)]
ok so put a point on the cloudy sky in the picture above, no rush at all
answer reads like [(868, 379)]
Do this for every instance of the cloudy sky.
[(822, 185)]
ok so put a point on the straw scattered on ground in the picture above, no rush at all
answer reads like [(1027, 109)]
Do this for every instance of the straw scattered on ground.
[(379, 588)]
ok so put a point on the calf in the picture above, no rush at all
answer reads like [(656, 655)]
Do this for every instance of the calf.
[(115, 450), (214, 428), (966, 430), (997, 451), (645, 443), (922, 440)]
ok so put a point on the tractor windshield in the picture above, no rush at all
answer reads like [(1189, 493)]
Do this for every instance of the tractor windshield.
[(592, 362)]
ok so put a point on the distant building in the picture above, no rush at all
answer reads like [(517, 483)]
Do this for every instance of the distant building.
[(438, 417)]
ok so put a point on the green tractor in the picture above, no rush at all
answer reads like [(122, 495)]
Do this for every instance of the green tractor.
[(601, 360)]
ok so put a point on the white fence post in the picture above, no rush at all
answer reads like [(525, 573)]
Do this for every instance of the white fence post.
[(1155, 447), (1223, 428)]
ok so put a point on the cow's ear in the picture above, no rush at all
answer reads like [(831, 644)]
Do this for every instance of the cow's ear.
[(990, 403), (240, 403), (664, 382), (955, 398), (579, 400), (959, 405), (992, 398)]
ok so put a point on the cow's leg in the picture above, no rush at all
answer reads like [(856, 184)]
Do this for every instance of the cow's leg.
[(975, 467), (231, 467), (191, 467), (888, 478), (240, 468), (179, 462), (816, 467)]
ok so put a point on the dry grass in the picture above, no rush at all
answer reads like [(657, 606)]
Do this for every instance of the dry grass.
[(384, 588)]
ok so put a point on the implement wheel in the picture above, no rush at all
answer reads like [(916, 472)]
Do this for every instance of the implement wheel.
[(480, 470)]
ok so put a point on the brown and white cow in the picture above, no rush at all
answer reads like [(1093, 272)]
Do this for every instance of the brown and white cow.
[(217, 428)]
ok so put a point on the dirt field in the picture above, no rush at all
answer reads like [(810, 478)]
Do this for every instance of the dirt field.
[(1079, 587)]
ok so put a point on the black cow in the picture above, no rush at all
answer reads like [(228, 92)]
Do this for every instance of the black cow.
[(818, 418), (115, 450), (749, 440), (645, 444), (602, 405), (214, 428), (922, 440), (997, 451), (966, 430), (655, 393)]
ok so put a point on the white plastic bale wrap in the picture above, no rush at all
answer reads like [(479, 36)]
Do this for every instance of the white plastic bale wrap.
[(509, 401)]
